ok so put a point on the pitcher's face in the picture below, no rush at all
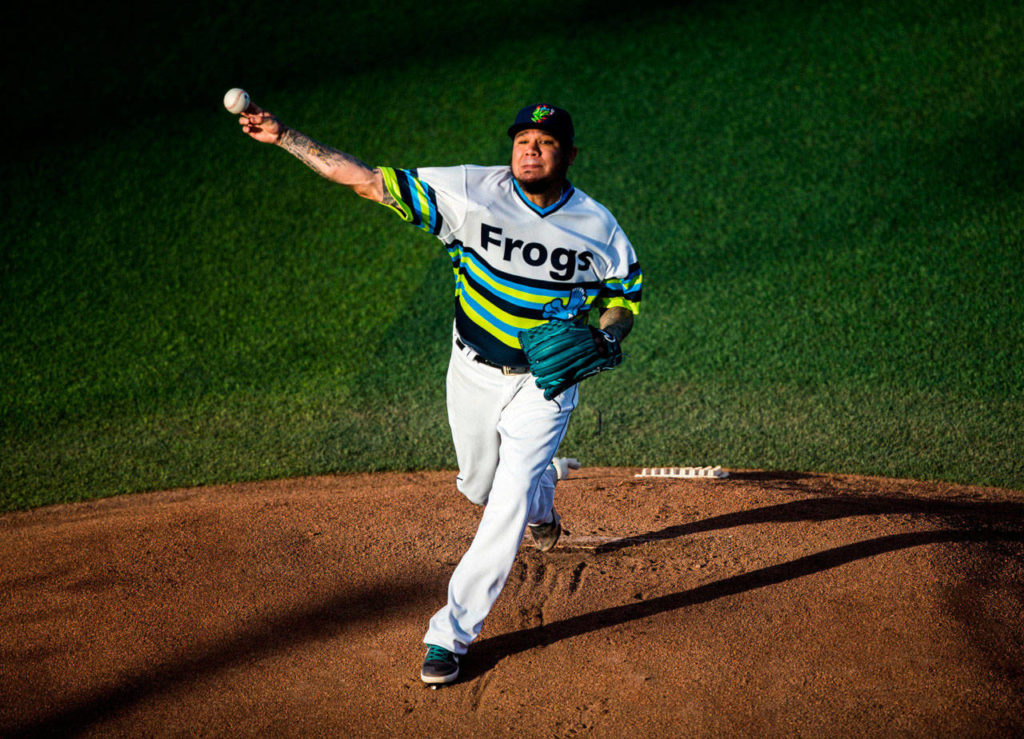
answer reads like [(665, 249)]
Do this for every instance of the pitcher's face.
[(539, 160)]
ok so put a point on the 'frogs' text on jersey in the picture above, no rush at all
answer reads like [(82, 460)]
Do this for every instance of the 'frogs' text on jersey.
[(517, 265), (564, 262)]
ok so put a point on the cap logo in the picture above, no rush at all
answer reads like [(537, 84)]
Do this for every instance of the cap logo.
[(541, 113)]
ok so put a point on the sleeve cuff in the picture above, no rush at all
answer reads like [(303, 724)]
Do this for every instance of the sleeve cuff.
[(391, 188), (630, 305)]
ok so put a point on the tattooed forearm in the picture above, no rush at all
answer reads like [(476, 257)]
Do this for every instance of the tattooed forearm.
[(324, 160)]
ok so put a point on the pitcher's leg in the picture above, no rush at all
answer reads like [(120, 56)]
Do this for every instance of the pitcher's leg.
[(481, 573), (531, 430), (519, 428), (543, 503), (475, 400)]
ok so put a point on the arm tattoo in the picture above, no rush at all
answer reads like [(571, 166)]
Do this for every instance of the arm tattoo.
[(321, 159)]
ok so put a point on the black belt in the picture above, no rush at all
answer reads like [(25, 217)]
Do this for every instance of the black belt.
[(505, 369)]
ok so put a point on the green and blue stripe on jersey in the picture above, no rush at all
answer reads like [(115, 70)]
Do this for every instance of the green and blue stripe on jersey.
[(492, 306), (624, 293), (416, 201)]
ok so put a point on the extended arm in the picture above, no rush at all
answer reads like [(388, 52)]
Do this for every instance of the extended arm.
[(328, 162)]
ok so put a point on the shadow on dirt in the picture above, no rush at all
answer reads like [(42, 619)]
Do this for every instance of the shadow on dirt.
[(275, 634), (489, 652), (770, 475), (965, 514), (963, 522)]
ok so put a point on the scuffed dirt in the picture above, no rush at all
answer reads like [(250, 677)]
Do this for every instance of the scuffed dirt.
[(764, 604)]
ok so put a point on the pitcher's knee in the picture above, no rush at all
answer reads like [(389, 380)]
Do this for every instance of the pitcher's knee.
[(476, 492)]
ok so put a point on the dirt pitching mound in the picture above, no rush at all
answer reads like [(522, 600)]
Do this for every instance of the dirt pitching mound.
[(765, 603)]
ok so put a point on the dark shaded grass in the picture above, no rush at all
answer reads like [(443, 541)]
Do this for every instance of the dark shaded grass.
[(827, 201)]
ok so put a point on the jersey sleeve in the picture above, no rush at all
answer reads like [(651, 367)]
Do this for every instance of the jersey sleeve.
[(432, 199), (623, 286)]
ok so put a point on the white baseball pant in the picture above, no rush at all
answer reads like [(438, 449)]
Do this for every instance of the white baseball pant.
[(505, 436)]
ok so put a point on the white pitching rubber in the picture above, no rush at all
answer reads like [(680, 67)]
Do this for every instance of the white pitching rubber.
[(562, 466), (714, 473)]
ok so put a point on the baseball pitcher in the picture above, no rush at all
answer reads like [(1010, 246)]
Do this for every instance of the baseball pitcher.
[(533, 257)]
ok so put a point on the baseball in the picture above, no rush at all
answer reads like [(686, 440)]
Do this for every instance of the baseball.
[(236, 100)]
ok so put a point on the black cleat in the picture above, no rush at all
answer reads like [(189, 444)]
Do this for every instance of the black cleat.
[(545, 535), (440, 666)]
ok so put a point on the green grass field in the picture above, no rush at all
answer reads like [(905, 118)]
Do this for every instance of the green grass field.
[(827, 199)]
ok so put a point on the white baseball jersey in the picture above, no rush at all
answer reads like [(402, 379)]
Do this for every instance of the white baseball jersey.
[(517, 265)]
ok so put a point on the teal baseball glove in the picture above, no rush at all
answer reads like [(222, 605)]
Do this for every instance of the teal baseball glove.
[(561, 353)]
